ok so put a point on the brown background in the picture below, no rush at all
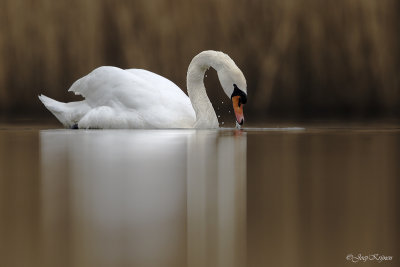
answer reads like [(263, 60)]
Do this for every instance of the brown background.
[(302, 59)]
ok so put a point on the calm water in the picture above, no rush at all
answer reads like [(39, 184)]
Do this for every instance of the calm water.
[(256, 197)]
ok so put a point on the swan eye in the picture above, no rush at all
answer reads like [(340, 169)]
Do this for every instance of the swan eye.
[(243, 99), (238, 92)]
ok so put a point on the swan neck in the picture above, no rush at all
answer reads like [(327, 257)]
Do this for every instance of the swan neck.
[(205, 113)]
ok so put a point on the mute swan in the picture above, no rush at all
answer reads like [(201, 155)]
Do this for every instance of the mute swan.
[(136, 98)]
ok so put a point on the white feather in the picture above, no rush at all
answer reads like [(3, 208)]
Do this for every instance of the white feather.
[(136, 98)]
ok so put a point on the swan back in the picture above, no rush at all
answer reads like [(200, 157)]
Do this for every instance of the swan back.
[(133, 98)]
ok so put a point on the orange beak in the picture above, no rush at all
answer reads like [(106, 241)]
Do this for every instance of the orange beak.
[(238, 108)]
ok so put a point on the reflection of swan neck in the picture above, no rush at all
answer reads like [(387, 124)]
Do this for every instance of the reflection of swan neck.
[(205, 114)]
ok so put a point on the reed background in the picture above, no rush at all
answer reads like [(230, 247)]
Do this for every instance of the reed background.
[(302, 59)]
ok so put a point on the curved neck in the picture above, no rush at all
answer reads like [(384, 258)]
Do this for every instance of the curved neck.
[(205, 113)]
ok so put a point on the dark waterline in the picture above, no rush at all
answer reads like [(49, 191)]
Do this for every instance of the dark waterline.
[(276, 196)]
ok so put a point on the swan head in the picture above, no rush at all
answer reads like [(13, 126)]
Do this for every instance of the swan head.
[(234, 84)]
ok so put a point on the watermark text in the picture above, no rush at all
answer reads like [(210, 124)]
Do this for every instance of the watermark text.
[(371, 257)]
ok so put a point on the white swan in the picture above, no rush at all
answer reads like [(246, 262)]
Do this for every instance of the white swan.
[(135, 98)]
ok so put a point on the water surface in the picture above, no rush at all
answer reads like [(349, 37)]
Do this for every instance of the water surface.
[(303, 196)]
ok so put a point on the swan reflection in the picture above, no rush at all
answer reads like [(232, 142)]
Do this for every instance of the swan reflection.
[(144, 198), (216, 200)]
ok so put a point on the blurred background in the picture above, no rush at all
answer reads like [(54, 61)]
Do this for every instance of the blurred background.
[(309, 59), (300, 197)]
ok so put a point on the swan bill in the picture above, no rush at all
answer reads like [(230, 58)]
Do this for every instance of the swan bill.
[(238, 108)]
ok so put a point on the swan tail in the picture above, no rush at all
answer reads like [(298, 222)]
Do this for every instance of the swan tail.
[(67, 113)]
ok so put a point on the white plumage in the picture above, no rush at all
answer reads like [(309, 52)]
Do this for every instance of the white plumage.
[(135, 98)]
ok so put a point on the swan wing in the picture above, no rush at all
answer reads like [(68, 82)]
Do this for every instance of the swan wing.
[(140, 97)]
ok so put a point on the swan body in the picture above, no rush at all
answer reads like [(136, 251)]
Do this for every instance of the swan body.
[(136, 98)]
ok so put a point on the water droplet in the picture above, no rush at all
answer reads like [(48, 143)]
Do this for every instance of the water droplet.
[(237, 125)]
